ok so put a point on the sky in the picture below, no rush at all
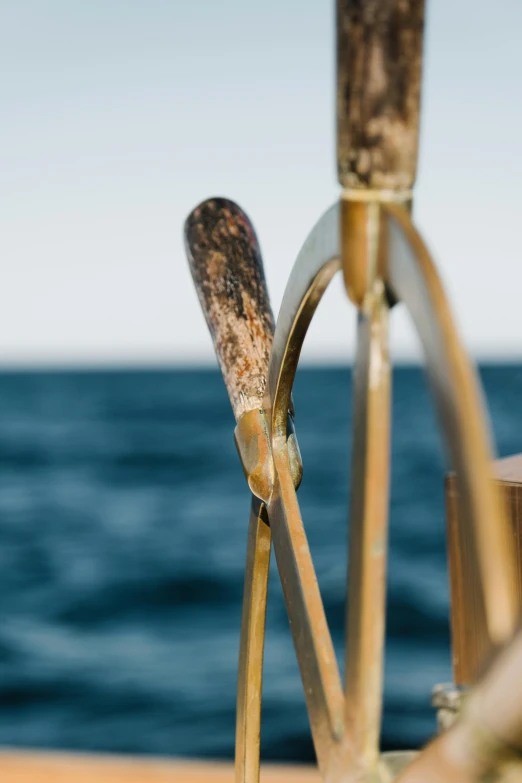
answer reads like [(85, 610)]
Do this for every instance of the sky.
[(118, 116)]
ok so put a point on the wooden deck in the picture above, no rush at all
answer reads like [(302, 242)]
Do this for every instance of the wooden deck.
[(46, 767), (17, 766)]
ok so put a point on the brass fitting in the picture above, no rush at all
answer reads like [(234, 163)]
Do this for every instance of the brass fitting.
[(448, 700), (362, 246), (253, 442)]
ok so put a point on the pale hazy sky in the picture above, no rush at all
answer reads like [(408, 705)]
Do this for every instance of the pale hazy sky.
[(118, 116)]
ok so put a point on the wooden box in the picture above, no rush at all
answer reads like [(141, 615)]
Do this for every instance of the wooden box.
[(469, 641)]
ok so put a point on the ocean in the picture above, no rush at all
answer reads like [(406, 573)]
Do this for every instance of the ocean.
[(123, 521)]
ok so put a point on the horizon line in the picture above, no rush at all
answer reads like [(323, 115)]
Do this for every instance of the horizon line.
[(163, 365)]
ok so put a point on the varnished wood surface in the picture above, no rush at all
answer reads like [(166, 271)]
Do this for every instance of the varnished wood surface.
[(469, 639), (42, 767)]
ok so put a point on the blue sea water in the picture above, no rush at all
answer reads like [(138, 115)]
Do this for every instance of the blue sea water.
[(123, 518)]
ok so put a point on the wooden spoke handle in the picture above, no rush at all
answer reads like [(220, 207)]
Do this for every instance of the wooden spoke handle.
[(379, 59), (227, 270)]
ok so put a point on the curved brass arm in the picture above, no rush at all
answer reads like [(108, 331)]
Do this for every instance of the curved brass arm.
[(346, 726), (316, 264), (486, 742), (346, 737), (412, 275)]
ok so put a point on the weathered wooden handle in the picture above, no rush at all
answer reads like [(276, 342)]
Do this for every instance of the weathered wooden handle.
[(379, 64), (227, 269)]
